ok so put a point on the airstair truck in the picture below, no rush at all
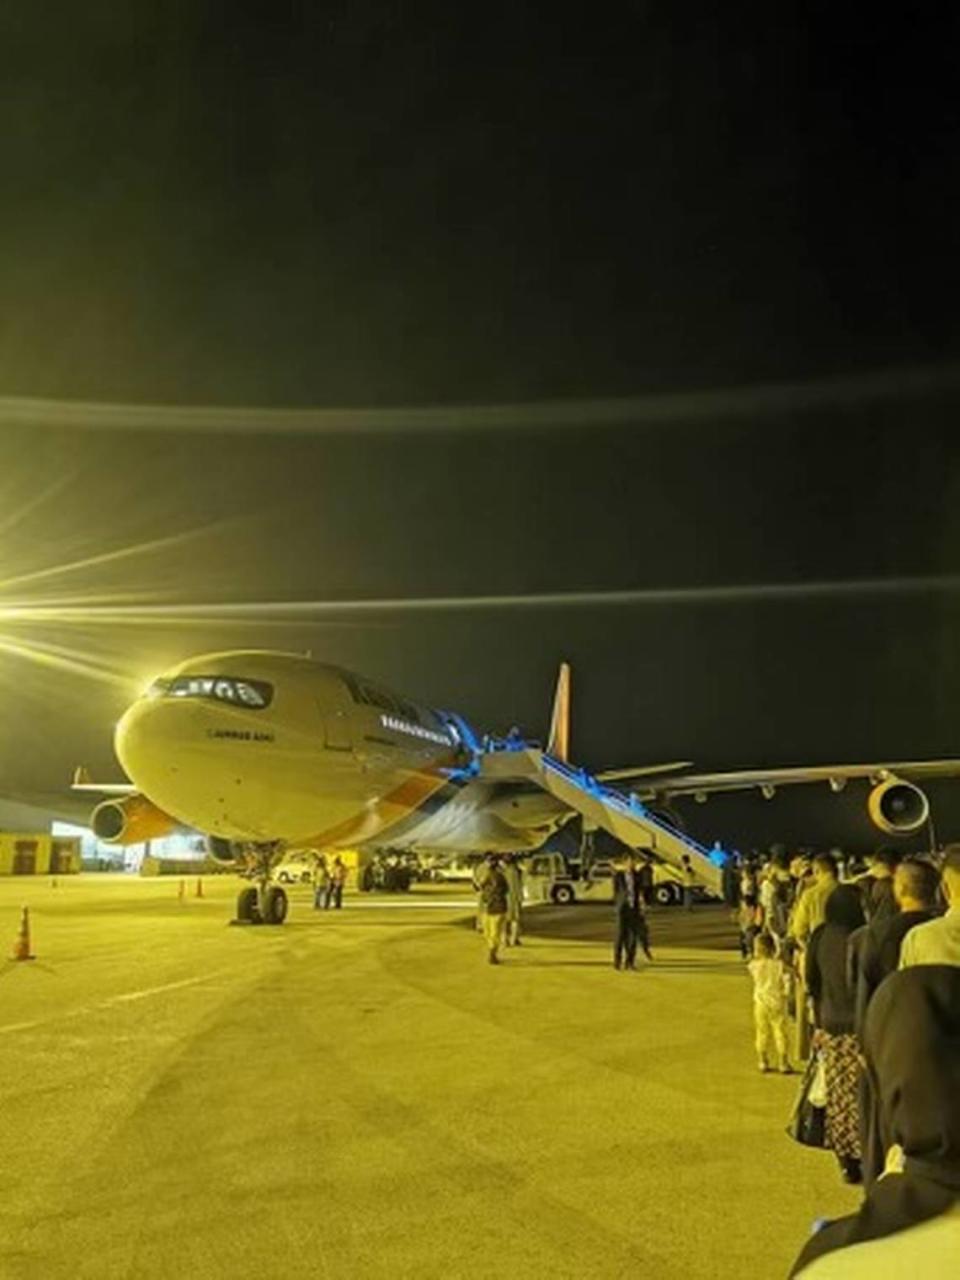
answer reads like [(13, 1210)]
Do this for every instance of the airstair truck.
[(548, 877)]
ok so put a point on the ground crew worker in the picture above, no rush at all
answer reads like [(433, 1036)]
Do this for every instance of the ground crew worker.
[(338, 878), (689, 882), (321, 882), (494, 894), (513, 875)]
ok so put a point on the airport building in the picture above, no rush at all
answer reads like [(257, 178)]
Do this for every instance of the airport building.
[(39, 853), (37, 839)]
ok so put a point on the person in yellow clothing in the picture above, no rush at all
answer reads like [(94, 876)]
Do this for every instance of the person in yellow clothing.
[(810, 908), (809, 912), (938, 942), (494, 895), (771, 989)]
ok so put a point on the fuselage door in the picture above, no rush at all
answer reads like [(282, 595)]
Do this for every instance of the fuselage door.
[(337, 731)]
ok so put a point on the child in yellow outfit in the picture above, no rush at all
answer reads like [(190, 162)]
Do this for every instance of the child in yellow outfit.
[(771, 996)]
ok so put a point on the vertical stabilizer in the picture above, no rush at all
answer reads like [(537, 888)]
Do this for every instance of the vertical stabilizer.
[(558, 741)]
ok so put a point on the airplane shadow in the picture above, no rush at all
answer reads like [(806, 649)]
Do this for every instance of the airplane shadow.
[(708, 928)]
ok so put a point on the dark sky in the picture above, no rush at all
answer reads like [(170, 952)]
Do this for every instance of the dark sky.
[(293, 204), (300, 202)]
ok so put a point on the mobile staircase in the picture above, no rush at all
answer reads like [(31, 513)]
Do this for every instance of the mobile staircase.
[(625, 817)]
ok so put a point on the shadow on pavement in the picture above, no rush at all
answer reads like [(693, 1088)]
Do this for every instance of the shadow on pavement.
[(706, 928)]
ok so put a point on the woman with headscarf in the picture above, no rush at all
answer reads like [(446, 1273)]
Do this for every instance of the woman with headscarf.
[(909, 1223), (828, 985)]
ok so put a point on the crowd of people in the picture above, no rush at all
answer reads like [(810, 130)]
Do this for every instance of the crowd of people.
[(856, 972), (329, 879)]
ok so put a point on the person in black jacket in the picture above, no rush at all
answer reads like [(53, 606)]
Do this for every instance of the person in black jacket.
[(827, 982), (631, 925), (909, 1222), (874, 954), (877, 885)]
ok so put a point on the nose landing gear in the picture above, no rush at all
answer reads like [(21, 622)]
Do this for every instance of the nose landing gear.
[(262, 902)]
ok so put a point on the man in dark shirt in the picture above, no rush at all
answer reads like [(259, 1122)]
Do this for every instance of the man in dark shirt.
[(875, 950), (631, 926)]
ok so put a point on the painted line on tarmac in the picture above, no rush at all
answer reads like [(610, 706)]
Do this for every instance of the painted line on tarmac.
[(153, 991), (409, 905), (125, 998)]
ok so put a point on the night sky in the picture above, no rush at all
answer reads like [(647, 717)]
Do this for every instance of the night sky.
[(372, 205)]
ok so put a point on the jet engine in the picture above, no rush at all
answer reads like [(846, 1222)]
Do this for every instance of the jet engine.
[(897, 807), (131, 820), (223, 851)]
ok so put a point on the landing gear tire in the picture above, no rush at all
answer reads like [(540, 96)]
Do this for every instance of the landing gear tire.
[(563, 895), (275, 905), (663, 895), (248, 912)]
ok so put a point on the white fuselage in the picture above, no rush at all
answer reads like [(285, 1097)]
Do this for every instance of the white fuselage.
[(262, 747)]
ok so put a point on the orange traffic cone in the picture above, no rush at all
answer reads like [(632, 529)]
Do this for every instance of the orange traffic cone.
[(199, 887), (21, 948)]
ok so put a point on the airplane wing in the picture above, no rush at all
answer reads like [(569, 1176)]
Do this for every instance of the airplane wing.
[(82, 782), (642, 771), (767, 780)]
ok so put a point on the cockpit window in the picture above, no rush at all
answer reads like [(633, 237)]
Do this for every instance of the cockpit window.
[(370, 695), (252, 694)]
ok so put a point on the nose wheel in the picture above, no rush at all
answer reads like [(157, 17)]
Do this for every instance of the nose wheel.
[(272, 909), (262, 902)]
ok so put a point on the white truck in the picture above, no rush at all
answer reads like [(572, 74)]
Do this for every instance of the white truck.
[(548, 877)]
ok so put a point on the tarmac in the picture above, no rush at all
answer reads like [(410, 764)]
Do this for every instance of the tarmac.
[(359, 1094)]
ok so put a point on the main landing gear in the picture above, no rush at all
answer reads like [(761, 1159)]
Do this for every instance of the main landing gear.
[(262, 902)]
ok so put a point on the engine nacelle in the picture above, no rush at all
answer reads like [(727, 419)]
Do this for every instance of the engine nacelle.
[(132, 820), (223, 851), (898, 808)]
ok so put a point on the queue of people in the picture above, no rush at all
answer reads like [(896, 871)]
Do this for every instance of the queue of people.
[(860, 975)]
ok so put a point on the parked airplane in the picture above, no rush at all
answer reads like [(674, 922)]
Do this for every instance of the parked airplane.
[(264, 751)]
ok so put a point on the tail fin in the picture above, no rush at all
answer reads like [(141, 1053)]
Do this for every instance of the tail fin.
[(558, 741)]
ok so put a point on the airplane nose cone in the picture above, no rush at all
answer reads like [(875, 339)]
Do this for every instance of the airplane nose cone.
[(163, 746), (145, 735), (213, 768)]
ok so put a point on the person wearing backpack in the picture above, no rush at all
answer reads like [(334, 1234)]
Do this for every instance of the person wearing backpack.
[(494, 895)]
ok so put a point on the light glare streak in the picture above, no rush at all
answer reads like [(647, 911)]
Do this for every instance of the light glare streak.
[(19, 514), (59, 658), (135, 613), (110, 557), (708, 405)]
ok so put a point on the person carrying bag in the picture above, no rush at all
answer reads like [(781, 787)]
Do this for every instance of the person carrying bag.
[(808, 1124)]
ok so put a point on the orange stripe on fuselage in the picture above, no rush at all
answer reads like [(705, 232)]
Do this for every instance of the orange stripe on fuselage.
[(408, 796)]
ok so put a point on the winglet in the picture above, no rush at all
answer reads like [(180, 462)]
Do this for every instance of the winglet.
[(558, 741)]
